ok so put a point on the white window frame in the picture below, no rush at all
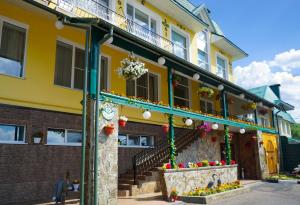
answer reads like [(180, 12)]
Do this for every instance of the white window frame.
[(187, 37), (65, 137), (74, 46), (136, 146), (208, 49), (266, 118), (14, 142), (158, 85), (219, 55), (207, 101), (189, 89), (21, 25)]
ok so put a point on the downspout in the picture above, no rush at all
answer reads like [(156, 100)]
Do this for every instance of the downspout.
[(97, 64)]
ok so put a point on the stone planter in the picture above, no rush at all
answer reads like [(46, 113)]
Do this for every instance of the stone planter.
[(187, 179)]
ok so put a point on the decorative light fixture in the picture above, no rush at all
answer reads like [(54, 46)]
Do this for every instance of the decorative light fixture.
[(242, 131), (215, 126), (110, 40), (242, 95), (146, 114), (59, 24), (196, 76), (188, 122), (220, 87), (161, 60)]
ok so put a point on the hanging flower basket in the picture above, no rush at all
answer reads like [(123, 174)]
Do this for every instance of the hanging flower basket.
[(122, 121), (165, 128), (249, 106), (263, 111), (109, 129), (131, 68), (205, 92)]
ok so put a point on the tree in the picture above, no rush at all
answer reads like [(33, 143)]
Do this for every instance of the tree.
[(296, 131)]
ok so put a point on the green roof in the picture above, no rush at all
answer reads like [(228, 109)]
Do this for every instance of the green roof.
[(187, 4)]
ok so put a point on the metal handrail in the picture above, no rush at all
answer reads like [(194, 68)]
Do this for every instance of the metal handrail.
[(91, 8)]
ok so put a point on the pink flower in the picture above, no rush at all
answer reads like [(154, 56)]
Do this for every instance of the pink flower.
[(180, 165), (168, 166), (223, 162), (232, 162), (199, 164)]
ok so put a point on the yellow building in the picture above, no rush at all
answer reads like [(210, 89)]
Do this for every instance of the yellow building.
[(42, 63)]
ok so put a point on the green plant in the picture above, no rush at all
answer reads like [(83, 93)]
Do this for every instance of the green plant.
[(205, 92)]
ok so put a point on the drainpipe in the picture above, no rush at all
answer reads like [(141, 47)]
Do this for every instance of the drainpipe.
[(95, 76)]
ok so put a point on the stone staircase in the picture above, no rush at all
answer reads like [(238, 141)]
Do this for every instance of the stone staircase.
[(144, 177)]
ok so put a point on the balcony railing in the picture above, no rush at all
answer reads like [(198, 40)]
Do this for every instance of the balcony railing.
[(92, 8)]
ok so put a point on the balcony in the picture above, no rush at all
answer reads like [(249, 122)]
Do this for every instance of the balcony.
[(92, 8)]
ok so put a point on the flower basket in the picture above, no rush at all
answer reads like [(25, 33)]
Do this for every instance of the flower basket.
[(205, 92), (109, 129), (249, 106), (76, 185), (37, 137), (122, 121), (131, 68), (165, 128)]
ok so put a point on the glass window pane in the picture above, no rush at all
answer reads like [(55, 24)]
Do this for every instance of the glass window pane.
[(180, 102), (202, 106), (147, 141), (104, 73), (74, 136), (209, 107), (11, 133), (56, 136), (130, 87), (181, 91), (78, 78), (129, 11), (153, 87), (63, 66), (142, 18), (122, 140), (221, 64), (202, 41), (202, 59), (179, 45), (12, 50), (79, 58), (143, 80), (133, 140), (142, 92), (153, 25)]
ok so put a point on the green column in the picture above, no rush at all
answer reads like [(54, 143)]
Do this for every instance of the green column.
[(171, 121), (226, 128)]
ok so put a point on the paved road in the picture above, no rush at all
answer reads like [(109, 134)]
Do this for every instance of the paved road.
[(283, 193)]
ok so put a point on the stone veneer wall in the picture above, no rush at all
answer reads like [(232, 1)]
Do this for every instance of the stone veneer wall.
[(185, 180), (202, 149)]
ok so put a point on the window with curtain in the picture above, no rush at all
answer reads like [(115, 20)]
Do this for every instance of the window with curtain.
[(12, 133), (202, 45), (12, 49), (181, 92), (221, 67), (69, 67), (180, 45), (145, 87)]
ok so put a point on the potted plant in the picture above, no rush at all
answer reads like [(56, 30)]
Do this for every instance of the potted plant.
[(174, 195), (109, 129), (131, 68), (249, 106), (205, 92), (37, 137), (165, 128), (122, 121), (76, 185)]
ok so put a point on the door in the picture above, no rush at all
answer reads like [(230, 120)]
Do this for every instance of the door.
[(271, 158)]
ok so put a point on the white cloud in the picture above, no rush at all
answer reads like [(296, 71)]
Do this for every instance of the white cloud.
[(260, 73)]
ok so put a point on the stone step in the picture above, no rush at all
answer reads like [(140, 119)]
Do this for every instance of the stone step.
[(125, 181), (123, 193)]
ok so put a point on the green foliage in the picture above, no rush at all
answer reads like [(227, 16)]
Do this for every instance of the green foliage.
[(296, 131)]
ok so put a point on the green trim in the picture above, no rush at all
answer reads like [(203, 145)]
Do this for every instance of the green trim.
[(171, 120), (227, 145), (178, 112)]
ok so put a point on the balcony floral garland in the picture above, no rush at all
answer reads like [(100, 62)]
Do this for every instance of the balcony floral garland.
[(205, 92), (131, 68)]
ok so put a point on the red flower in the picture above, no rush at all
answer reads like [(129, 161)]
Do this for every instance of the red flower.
[(180, 165), (214, 139), (223, 162), (212, 163), (232, 162), (168, 166), (199, 164)]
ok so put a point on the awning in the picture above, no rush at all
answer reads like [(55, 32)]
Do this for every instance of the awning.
[(226, 45)]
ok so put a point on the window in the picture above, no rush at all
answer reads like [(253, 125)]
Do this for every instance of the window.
[(206, 106), (63, 136), (135, 140), (146, 25), (181, 92), (202, 45), (69, 67), (180, 45), (12, 49), (221, 67), (265, 122), (12, 133), (144, 87)]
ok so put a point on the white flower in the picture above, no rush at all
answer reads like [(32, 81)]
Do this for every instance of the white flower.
[(132, 68)]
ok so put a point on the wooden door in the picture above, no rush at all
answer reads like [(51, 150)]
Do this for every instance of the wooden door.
[(271, 158)]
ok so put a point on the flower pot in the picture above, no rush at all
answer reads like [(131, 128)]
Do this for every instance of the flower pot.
[(122, 123), (76, 187), (37, 140), (174, 83), (165, 128), (108, 130)]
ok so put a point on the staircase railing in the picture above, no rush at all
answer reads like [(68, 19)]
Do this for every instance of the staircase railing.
[(153, 157)]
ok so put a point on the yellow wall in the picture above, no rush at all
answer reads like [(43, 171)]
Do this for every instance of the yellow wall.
[(37, 89), (273, 138)]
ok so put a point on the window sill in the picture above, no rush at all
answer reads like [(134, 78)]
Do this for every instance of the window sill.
[(13, 142), (12, 76), (64, 144)]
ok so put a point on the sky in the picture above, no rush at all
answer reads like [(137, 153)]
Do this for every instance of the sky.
[(269, 31)]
